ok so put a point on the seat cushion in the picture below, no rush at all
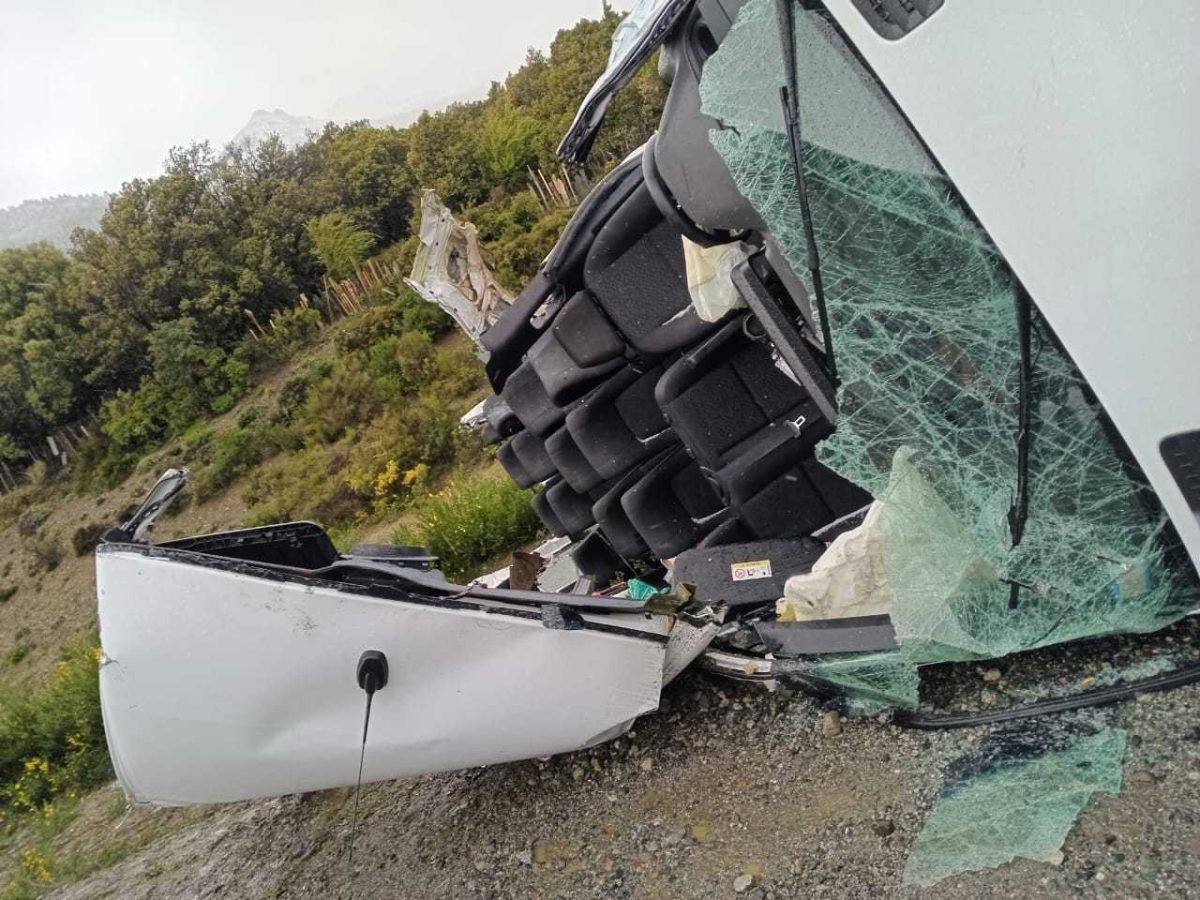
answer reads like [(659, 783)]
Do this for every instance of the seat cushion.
[(636, 273), (672, 506), (619, 424), (545, 512), (571, 508), (525, 459), (579, 349), (570, 461), (530, 402)]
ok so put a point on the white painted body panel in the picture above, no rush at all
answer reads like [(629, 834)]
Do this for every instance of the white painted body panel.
[(1071, 128), (220, 686)]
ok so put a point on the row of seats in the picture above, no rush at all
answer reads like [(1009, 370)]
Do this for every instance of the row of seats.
[(647, 424)]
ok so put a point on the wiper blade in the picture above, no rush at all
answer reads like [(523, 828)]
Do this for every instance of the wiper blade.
[(790, 99)]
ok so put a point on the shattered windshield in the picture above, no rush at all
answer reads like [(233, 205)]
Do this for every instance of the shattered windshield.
[(638, 35), (921, 306)]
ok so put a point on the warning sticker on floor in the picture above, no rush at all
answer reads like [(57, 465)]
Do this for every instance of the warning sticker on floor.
[(748, 571)]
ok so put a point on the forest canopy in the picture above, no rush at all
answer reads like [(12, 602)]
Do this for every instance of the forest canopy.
[(144, 323)]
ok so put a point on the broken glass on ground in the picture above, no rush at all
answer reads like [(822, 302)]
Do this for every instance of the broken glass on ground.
[(1017, 795), (922, 311), (868, 683), (450, 270)]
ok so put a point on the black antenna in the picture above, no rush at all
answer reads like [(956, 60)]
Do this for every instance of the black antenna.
[(372, 676)]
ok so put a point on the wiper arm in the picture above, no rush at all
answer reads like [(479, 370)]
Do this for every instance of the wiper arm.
[(789, 98)]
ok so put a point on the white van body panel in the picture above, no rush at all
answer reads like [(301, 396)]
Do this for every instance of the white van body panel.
[(218, 685)]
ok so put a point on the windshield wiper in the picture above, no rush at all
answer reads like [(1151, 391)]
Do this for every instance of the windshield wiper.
[(789, 98)]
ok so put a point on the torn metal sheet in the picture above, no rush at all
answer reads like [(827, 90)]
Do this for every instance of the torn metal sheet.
[(686, 642), (474, 418), (229, 683), (451, 271), (738, 667), (1017, 796)]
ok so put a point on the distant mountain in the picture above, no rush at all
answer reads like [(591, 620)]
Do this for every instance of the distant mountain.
[(52, 219), (293, 130)]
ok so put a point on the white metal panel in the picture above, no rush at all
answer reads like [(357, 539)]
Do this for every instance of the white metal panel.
[(218, 686), (1071, 129)]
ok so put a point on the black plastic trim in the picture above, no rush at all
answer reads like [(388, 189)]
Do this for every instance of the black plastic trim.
[(1181, 453)]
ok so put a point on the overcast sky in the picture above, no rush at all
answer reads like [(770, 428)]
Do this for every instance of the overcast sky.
[(94, 92)]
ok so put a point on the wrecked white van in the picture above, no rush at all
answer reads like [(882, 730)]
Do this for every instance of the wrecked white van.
[(881, 353)]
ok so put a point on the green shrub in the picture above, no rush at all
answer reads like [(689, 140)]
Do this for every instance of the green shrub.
[(399, 364), (190, 381), (517, 255), (30, 521), (304, 485), (196, 441), (87, 537), (295, 390), (383, 463), (362, 330), (346, 399), (52, 741), (235, 452), (400, 310), (339, 243), (472, 521), (47, 553), (17, 654), (16, 502), (7, 593), (287, 331), (414, 313)]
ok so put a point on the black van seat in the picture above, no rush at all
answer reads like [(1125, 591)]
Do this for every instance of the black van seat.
[(524, 394), (619, 424), (753, 429), (570, 461), (614, 522), (578, 349), (635, 273), (673, 505), (545, 512), (572, 508), (500, 421), (510, 338), (525, 459)]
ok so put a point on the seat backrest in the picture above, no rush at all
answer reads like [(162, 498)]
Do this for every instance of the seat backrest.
[(577, 350), (507, 341), (636, 273), (529, 401), (690, 166), (724, 393)]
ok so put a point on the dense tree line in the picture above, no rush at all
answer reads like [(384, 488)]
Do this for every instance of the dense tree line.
[(145, 318)]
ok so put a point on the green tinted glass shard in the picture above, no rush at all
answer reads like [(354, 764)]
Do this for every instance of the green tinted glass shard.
[(870, 682), (1021, 807), (922, 309)]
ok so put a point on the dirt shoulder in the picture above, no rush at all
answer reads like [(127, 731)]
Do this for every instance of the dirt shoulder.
[(722, 782)]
